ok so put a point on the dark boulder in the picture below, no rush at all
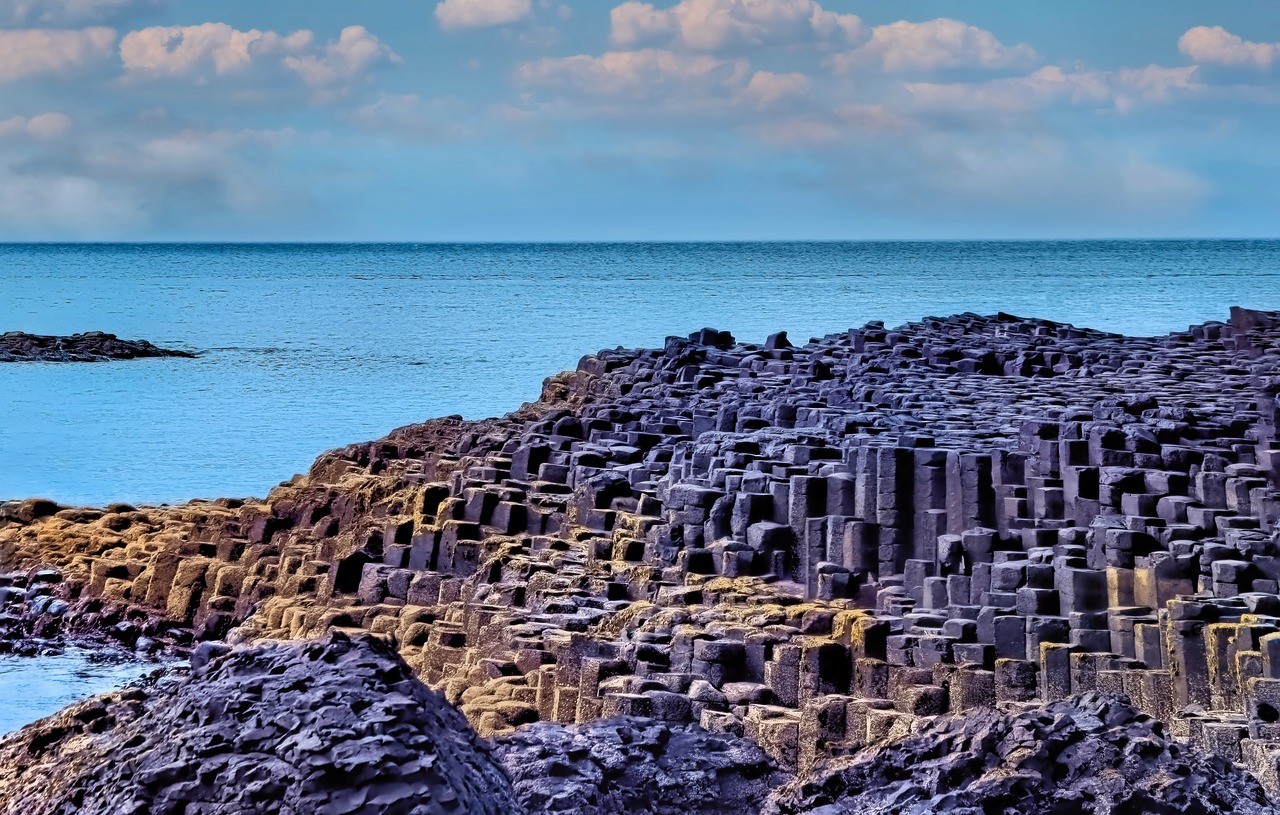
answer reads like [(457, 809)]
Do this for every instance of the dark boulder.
[(325, 727)]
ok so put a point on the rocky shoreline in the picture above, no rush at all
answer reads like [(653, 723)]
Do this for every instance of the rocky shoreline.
[(811, 550), (341, 725), (91, 346), (41, 614)]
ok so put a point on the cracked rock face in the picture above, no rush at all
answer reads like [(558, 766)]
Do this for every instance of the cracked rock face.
[(331, 726), (1092, 754), (637, 766)]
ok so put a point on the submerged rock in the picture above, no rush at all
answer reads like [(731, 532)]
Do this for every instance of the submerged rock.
[(331, 726), (1092, 754), (92, 346)]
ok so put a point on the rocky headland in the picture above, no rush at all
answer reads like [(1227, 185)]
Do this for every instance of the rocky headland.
[(910, 567), (91, 346)]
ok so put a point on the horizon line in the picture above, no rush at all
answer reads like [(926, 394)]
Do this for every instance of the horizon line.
[(628, 242)]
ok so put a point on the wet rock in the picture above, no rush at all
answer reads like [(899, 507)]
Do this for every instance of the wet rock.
[(91, 346)]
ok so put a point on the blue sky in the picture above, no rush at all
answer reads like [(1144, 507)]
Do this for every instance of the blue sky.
[(609, 120)]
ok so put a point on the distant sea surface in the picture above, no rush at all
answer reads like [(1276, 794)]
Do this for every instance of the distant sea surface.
[(306, 348)]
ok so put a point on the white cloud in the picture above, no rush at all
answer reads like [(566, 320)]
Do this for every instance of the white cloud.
[(1044, 174), (43, 126), (216, 49), (766, 88), (647, 74), (71, 12), (199, 155), (872, 118), (33, 206), (634, 22), (1154, 83), (905, 47), (624, 84), (207, 48), (355, 53), (1218, 46), (713, 24), (1122, 89), (798, 132), (455, 14), (41, 52), (848, 123)]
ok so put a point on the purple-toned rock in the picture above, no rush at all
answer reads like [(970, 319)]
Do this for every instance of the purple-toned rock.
[(1090, 754), (332, 727), (636, 766)]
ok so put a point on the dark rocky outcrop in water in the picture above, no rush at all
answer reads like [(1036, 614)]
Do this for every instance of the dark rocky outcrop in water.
[(91, 346), (815, 546), (328, 727), (1091, 754)]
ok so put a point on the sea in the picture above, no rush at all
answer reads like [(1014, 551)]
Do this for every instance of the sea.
[(308, 347), (34, 687)]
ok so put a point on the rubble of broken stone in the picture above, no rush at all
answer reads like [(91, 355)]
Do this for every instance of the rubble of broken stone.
[(811, 546), (30, 612), (91, 346)]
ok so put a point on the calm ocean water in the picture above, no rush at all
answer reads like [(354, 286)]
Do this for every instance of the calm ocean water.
[(311, 347), (34, 687)]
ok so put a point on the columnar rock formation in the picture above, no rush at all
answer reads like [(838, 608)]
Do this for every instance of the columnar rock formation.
[(91, 346), (817, 546), (339, 726)]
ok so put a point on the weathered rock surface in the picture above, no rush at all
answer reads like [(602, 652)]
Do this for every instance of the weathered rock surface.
[(1091, 754), (91, 346), (326, 727), (637, 766), (815, 545)]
